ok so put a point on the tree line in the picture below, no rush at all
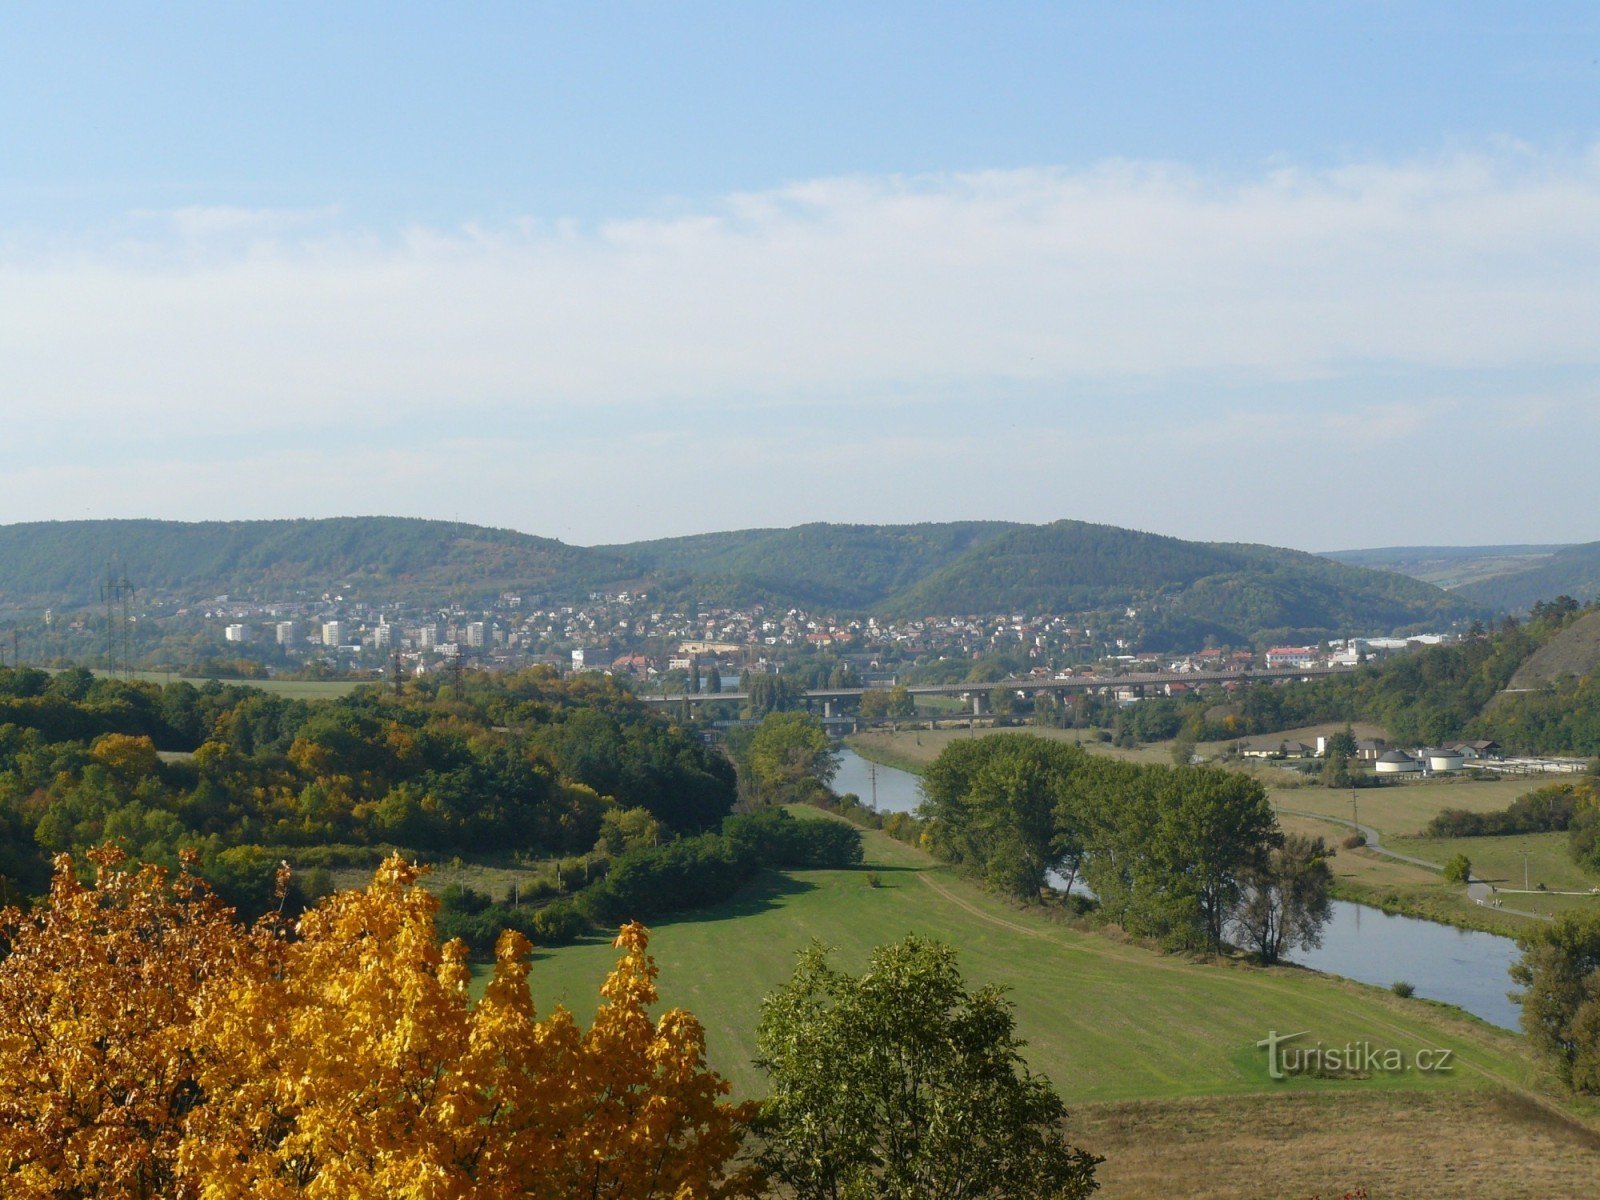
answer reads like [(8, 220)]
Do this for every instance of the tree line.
[(1190, 856), (528, 763)]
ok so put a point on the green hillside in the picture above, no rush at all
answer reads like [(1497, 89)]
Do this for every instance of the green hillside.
[(64, 562), (1184, 591), (1449, 566), (1193, 589), (1573, 571), (816, 565)]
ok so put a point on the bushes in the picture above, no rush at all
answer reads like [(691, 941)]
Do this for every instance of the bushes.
[(470, 915), (687, 873), (778, 840), (1549, 809), (1458, 869), (696, 871)]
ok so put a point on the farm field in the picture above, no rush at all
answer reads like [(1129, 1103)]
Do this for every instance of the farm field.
[(293, 689), (1404, 810), (1446, 1146)]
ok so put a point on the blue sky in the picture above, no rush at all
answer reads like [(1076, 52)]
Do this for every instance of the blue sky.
[(1319, 274)]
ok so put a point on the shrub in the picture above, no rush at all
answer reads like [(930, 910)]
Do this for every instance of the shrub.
[(1355, 841), (1403, 989), (1458, 869)]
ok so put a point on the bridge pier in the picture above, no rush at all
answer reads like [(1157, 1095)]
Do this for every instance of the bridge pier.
[(827, 709), (977, 704)]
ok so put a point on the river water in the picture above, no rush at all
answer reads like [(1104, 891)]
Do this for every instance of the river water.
[(1459, 966)]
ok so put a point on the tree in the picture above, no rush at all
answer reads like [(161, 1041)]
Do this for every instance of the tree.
[(1213, 827), (1458, 869), (627, 829), (994, 806), (874, 704), (902, 704), (152, 1047), (901, 1084), (1560, 973), (98, 995), (790, 756), (1285, 900)]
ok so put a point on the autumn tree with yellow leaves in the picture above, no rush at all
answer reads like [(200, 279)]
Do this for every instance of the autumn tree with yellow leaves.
[(152, 1046)]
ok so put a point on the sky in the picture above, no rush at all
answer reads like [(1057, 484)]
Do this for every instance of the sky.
[(1322, 275)]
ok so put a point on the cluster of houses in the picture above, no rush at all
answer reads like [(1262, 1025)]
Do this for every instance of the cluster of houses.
[(1385, 759)]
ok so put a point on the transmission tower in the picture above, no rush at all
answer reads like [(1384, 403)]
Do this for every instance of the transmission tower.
[(117, 594)]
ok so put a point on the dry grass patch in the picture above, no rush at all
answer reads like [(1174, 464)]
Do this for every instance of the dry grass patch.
[(1440, 1145)]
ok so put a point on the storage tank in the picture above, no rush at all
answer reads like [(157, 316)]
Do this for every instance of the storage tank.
[(1446, 760), (1397, 762)]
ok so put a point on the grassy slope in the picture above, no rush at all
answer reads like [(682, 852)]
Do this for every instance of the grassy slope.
[(1573, 651), (1105, 1020)]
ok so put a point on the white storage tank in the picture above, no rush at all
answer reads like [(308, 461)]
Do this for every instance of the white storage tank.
[(1446, 760), (1397, 762)]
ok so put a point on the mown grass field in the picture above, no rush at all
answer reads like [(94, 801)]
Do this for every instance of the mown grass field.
[(1105, 1019), (1156, 1054), (293, 689)]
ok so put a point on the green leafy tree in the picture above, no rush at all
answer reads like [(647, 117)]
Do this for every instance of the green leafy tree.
[(902, 704), (790, 757), (903, 1084), (1560, 975), (1458, 869), (1286, 899)]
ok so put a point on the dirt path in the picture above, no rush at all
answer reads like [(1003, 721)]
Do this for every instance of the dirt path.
[(1478, 891)]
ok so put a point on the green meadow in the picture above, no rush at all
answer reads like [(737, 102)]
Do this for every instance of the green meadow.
[(1105, 1019)]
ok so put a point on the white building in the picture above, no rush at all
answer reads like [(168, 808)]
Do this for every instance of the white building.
[(287, 633), (332, 633), (382, 636), (236, 633), (477, 634)]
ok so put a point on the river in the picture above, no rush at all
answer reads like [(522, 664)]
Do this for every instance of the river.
[(1459, 966)]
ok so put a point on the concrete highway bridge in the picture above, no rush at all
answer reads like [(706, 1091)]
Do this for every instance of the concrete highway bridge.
[(1140, 685)]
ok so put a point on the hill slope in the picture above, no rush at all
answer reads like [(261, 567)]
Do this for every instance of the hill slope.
[(816, 565), (64, 562), (1572, 571), (1192, 589), (1185, 591), (1449, 566), (1575, 651)]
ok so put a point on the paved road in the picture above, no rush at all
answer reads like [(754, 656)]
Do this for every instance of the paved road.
[(1478, 891)]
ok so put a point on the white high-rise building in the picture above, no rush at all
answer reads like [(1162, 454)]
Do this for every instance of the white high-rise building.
[(236, 633), (287, 633), (382, 636), (333, 633), (477, 634)]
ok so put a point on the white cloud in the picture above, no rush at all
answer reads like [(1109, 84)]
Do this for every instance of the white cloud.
[(245, 321)]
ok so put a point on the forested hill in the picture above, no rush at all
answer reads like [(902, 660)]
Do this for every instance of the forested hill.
[(1572, 571), (1185, 591), (1189, 589), (65, 562), (819, 565), (1502, 578)]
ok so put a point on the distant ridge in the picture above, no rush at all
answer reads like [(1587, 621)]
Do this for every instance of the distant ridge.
[(1183, 591), (1501, 578)]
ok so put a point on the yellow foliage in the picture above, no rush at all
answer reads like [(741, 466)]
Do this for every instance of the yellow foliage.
[(342, 1060), (127, 757)]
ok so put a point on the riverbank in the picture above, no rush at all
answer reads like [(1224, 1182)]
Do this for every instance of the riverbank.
[(1406, 881)]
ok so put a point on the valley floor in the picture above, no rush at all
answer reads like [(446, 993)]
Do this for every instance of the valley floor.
[(1155, 1054)]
